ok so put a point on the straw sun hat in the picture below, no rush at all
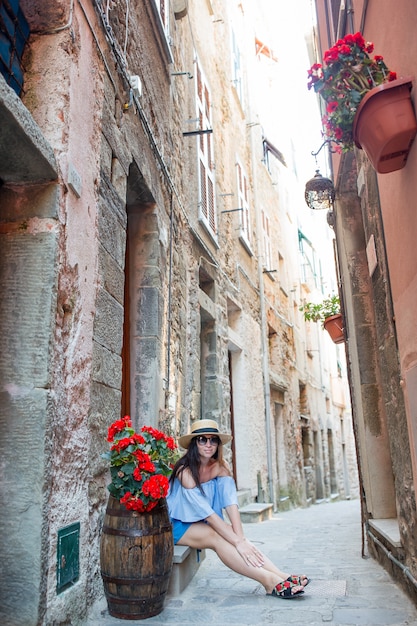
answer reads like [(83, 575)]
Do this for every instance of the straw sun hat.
[(203, 427)]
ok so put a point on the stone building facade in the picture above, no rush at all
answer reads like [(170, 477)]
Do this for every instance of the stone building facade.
[(150, 265), (375, 221)]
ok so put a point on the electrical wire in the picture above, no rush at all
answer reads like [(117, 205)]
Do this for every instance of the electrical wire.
[(98, 47), (53, 31)]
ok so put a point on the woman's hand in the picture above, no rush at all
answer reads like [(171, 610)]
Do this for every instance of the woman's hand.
[(250, 553)]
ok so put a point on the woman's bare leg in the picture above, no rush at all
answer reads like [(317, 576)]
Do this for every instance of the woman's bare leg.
[(201, 536)]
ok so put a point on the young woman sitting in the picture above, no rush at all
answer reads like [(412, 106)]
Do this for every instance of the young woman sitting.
[(201, 486)]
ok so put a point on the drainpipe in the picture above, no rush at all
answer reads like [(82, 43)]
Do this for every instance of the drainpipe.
[(168, 363), (405, 570), (264, 327), (265, 368), (363, 18)]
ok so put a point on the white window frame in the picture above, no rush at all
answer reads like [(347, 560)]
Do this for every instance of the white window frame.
[(266, 232), (161, 10), (205, 155), (310, 273), (237, 76), (162, 7), (242, 185)]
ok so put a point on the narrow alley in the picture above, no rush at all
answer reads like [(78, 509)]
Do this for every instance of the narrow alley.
[(323, 541), (168, 255)]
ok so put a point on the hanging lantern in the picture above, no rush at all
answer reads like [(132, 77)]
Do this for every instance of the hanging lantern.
[(319, 192)]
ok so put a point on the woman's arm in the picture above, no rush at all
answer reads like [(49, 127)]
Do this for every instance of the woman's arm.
[(234, 516)]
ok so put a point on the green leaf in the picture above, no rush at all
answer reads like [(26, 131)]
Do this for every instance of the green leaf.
[(129, 468)]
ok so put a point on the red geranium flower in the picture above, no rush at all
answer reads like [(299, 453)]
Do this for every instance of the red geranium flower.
[(139, 464), (118, 426), (137, 474), (331, 106)]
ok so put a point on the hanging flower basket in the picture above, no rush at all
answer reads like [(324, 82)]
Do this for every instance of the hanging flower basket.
[(385, 125), (334, 326), (347, 75), (366, 104)]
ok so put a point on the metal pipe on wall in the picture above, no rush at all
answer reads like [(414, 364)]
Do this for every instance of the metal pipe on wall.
[(403, 568), (264, 330)]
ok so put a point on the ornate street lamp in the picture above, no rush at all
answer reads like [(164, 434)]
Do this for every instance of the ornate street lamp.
[(319, 191)]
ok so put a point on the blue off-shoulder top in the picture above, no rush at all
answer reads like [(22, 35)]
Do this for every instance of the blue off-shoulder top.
[(187, 506)]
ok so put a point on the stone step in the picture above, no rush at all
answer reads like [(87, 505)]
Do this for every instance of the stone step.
[(186, 562), (244, 497), (256, 512), (284, 503)]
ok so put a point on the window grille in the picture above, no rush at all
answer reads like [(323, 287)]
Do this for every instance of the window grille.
[(14, 32)]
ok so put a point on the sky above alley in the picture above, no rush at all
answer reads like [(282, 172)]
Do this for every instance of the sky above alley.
[(293, 117)]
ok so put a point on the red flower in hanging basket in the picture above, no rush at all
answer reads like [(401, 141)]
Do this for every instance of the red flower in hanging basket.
[(347, 74)]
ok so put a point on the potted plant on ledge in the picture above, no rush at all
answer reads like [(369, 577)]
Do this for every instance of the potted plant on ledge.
[(366, 104), (328, 313)]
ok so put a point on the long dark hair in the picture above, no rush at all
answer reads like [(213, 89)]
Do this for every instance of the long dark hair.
[(191, 460)]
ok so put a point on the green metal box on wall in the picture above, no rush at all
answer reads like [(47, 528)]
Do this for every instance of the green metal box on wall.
[(68, 556)]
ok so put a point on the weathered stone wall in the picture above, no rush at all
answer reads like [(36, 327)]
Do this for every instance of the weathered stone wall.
[(375, 225), (370, 418), (387, 362), (378, 403), (29, 294)]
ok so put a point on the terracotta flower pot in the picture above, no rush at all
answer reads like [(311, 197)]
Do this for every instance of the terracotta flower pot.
[(385, 125), (334, 326)]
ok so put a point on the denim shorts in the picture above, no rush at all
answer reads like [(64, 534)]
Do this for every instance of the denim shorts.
[(179, 528)]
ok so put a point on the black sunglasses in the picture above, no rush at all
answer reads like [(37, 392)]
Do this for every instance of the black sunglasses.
[(202, 440)]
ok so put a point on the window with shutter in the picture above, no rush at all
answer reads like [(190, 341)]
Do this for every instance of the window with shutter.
[(309, 271), (207, 200)]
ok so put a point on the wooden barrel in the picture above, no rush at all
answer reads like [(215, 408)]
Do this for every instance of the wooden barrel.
[(136, 553)]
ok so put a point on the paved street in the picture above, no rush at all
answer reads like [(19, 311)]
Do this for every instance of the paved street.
[(323, 541)]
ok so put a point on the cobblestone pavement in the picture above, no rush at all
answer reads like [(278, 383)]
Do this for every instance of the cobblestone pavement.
[(323, 541)]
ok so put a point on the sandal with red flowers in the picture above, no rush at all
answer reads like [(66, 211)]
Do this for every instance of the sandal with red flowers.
[(302, 580), (285, 590)]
